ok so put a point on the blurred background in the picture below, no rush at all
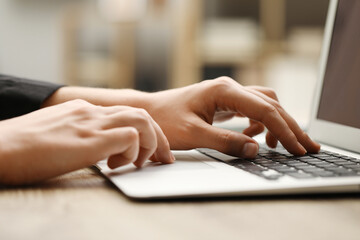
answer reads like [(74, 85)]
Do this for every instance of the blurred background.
[(152, 45)]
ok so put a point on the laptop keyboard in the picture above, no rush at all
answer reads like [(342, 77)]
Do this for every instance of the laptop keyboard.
[(272, 164)]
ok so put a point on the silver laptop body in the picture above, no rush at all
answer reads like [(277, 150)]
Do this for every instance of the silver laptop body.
[(335, 123)]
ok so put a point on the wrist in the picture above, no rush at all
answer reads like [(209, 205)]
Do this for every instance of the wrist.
[(100, 96), (4, 157), (128, 97)]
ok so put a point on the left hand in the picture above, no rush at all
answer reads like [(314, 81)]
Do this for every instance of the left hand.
[(76, 134)]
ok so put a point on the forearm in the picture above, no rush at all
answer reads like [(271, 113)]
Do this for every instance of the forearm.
[(99, 96)]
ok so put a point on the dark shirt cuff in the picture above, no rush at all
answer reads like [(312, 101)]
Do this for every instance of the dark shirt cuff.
[(19, 96)]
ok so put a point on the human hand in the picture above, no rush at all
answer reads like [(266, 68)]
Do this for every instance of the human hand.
[(77, 134), (186, 116)]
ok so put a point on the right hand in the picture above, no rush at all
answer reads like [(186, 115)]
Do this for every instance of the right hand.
[(77, 134), (186, 116)]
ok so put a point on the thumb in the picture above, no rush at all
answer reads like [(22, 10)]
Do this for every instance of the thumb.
[(228, 142)]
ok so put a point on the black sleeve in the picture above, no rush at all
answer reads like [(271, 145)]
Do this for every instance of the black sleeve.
[(19, 96)]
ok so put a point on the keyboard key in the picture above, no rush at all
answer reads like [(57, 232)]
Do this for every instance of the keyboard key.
[(328, 158), (262, 161), (324, 151), (263, 151), (348, 158), (341, 170), (325, 174), (291, 161), (300, 175), (355, 167), (349, 173), (351, 159), (337, 155), (308, 167), (287, 170), (320, 155), (250, 167), (299, 164), (273, 165), (283, 161), (325, 165), (304, 158), (271, 174), (314, 170), (312, 161), (344, 163), (335, 160), (280, 157)]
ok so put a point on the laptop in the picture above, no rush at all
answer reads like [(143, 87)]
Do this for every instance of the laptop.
[(335, 123)]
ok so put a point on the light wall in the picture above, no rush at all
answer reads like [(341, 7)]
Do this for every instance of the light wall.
[(31, 39)]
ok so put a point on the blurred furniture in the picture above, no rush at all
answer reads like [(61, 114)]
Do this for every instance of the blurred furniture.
[(96, 52), (273, 22), (171, 42), (82, 205), (239, 43), (186, 65)]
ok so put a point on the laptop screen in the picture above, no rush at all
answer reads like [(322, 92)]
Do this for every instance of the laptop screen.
[(340, 97)]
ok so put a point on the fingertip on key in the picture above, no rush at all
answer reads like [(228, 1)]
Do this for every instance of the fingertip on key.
[(249, 150), (302, 150)]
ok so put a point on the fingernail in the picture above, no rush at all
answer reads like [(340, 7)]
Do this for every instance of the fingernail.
[(249, 150)]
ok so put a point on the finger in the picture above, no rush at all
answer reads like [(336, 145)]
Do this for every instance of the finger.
[(271, 141), (226, 141), (258, 109), (159, 143), (142, 122), (310, 145), (144, 154), (118, 160), (163, 153), (302, 137), (121, 145), (153, 158), (254, 129)]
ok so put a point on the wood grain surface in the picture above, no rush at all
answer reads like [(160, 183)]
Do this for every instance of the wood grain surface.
[(83, 205)]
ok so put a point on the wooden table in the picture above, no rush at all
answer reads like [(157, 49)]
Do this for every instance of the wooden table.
[(82, 205)]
